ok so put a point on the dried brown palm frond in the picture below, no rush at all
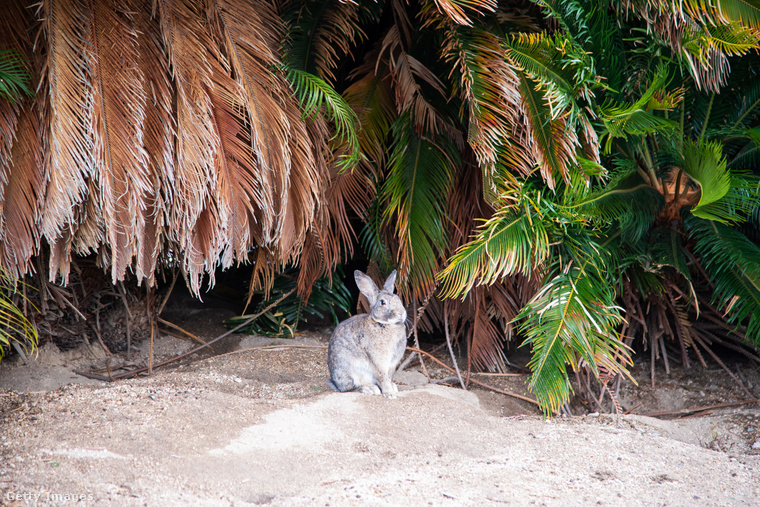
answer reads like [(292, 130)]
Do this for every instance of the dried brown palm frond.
[(15, 123), (287, 150), (120, 162), (158, 137), (68, 106), (408, 75), (332, 237), (457, 10), (245, 53), (164, 126), (19, 235), (186, 40)]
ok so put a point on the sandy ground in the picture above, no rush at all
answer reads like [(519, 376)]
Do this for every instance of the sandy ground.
[(258, 425)]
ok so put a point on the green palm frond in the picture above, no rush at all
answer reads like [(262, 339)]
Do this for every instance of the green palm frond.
[(628, 200), (745, 11), (571, 321), (317, 97), (725, 197), (515, 240), (733, 263), (416, 191), (705, 164), (555, 144), (748, 156), (15, 76), (560, 68), (621, 119), (730, 39), (14, 325), (740, 201)]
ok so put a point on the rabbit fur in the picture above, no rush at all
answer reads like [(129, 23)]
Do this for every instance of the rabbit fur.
[(365, 349)]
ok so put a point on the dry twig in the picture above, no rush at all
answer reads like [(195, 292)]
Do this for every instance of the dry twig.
[(482, 384)]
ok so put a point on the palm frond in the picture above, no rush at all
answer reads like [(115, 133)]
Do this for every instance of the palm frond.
[(571, 321), (68, 158), (15, 326), (554, 142), (748, 156), (15, 43), (628, 200), (317, 96), (416, 191), (747, 12), (319, 34), (411, 79), (513, 241), (187, 41), (259, 113), (21, 204), (117, 126), (559, 67), (736, 205), (158, 137), (370, 97), (705, 164), (457, 10), (733, 263), (621, 119), (706, 49), (491, 91), (486, 339)]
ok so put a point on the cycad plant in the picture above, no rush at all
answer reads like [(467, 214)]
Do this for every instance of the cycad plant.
[(615, 242)]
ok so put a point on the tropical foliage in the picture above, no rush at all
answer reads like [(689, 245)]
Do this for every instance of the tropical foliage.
[(579, 173)]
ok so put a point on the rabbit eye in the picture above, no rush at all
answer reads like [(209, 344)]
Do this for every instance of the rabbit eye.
[(382, 302)]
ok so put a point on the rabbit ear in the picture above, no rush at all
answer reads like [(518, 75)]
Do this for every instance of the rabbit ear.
[(367, 287), (390, 282)]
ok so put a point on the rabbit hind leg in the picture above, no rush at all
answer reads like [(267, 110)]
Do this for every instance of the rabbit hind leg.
[(358, 379)]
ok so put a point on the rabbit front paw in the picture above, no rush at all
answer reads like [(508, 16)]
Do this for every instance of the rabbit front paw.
[(390, 390)]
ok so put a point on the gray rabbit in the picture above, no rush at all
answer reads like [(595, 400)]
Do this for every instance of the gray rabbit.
[(365, 350)]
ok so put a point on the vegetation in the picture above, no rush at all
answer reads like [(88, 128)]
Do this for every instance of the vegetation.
[(15, 328), (575, 173)]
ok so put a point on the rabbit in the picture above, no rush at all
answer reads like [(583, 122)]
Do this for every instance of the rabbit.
[(365, 349)]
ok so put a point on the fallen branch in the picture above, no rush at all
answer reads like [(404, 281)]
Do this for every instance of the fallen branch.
[(689, 411), (482, 384)]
